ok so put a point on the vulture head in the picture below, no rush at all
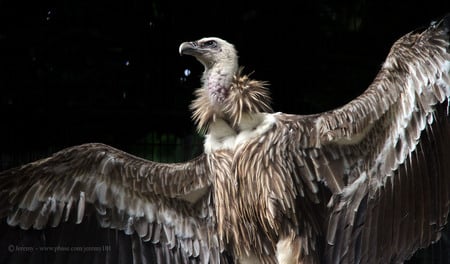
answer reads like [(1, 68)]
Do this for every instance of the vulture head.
[(227, 100), (220, 61), (211, 51)]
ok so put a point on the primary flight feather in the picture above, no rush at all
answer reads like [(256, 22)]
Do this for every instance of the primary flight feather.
[(368, 182)]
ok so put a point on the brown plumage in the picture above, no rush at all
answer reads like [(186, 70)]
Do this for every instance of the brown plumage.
[(368, 182), (245, 96)]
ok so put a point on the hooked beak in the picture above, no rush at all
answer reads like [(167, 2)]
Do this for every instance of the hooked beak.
[(189, 48)]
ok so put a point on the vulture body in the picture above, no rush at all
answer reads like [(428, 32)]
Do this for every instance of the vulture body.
[(368, 182)]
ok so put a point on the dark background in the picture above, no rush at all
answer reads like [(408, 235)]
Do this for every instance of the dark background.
[(78, 71)]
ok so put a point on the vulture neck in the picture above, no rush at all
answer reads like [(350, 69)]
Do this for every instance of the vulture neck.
[(217, 79), (230, 107)]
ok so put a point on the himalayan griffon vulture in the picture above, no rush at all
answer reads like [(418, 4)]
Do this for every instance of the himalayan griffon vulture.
[(368, 182)]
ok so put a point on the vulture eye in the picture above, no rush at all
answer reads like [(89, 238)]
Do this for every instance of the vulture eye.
[(210, 44)]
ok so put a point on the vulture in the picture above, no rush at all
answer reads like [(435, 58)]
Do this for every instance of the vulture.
[(367, 182)]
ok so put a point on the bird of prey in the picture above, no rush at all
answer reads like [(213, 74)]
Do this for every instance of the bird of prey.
[(368, 182)]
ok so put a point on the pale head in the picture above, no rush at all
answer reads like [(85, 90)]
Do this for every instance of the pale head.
[(210, 51), (220, 61)]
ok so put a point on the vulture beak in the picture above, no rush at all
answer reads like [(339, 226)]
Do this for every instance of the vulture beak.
[(189, 48)]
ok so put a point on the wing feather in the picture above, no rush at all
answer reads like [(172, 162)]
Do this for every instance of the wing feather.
[(405, 200), (124, 192), (385, 156)]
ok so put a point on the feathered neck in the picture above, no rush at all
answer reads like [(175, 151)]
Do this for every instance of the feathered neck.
[(230, 102)]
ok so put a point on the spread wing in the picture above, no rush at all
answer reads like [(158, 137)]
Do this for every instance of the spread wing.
[(385, 156), (167, 206), (396, 195)]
